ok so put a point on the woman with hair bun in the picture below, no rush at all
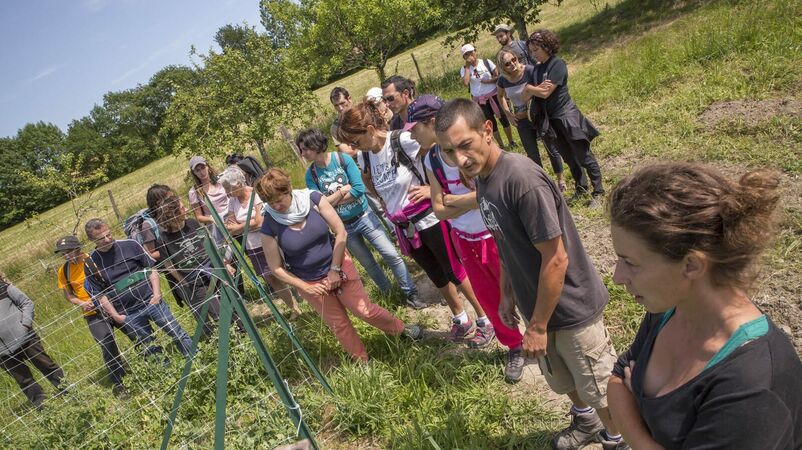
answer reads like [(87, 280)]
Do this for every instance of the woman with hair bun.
[(707, 368)]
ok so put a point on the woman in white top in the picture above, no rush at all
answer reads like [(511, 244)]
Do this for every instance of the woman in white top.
[(206, 184), (391, 165), (480, 76), (239, 196)]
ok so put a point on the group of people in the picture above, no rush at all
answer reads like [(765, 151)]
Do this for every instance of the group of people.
[(707, 369)]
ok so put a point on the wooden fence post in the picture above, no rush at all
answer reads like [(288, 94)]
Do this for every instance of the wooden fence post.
[(285, 133), (114, 207), (417, 68)]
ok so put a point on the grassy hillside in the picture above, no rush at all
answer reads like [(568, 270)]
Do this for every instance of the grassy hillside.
[(713, 81)]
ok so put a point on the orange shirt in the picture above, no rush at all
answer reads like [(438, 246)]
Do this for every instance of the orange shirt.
[(76, 282)]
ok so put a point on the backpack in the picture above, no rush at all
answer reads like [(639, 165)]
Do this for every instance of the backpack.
[(133, 225), (487, 66), (248, 164), (399, 157), (438, 170), (313, 169)]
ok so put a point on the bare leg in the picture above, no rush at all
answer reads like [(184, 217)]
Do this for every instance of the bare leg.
[(449, 292), (467, 290), (508, 132), (604, 413), (497, 137)]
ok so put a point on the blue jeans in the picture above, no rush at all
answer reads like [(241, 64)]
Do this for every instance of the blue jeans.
[(369, 228), (161, 315)]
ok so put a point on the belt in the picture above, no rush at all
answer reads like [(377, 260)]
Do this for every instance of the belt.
[(354, 219)]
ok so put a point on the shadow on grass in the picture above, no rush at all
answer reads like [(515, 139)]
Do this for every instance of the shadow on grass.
[(627, 17)]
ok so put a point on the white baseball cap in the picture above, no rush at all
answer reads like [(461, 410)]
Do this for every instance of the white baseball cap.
[(374, 94), (467, 48)]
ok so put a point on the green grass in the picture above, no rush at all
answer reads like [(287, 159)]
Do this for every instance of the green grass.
[(643, 71)]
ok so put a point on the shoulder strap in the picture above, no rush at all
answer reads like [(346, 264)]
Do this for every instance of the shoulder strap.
[(65, 269), (340, 159), (487, 65), (3, 289), (524, 50), (437, 169), (95, 274), (401, 157), (313, 172), (366, 162)]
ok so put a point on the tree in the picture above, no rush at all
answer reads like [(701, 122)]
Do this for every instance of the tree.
[(241, 99), (284, 20), (346, 35), (465, 19), (233, 37), (39, 146), (70, 181)]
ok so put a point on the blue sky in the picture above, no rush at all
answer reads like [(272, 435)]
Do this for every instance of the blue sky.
[(58, 58)]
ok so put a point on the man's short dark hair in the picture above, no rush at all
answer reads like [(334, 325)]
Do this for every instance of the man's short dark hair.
[(94, 225), (454, 109), (312, 139), (338, 92), (401, 84)]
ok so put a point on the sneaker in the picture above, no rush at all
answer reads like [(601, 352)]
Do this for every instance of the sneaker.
[(514, 370), (583, 430), (611, 445), (120, 392), (414, 301), (414, 332), (461, 332), (483, 337)]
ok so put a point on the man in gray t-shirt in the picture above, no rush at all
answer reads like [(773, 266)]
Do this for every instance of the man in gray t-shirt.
[(545, 268)]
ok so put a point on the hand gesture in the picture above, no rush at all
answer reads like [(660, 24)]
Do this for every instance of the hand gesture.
[(314, 289), (419, 193), (535, 342)]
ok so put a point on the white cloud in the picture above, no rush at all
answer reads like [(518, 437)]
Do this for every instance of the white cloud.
[(180, 41), (44, 73)]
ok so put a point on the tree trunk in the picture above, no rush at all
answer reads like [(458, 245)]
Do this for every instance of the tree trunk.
[(380, 72), (263, 153), (520, 25)]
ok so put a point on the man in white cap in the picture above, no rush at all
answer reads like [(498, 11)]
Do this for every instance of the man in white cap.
[(503, 34), (375, 95)]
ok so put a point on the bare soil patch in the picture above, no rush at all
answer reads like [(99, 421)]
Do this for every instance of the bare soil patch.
[(750, 112)]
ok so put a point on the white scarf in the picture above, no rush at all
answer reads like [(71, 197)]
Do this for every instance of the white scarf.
[(299, 208)]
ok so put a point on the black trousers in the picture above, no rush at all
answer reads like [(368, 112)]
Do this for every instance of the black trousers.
[(529, 142), (33, 352), (487, 109), (580, 160), (103, 333), (433, 258)]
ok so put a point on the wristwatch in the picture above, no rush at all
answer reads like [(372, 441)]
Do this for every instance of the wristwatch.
[(336, 268)]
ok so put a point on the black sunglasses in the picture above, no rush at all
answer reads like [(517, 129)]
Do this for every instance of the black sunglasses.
[(389, 98)]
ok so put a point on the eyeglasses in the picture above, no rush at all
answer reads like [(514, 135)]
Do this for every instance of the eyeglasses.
[(511, 62), (389, 98)]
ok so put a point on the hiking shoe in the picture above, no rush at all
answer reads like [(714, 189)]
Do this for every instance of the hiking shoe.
[(414, 332), (484, 335), (607, 444), (595, 202), (38, 402), (120, 392), (514, 370), (461, 332), (414, 301), (583, 430)]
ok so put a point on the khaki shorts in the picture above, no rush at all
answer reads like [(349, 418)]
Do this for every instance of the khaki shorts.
[(581, 360)]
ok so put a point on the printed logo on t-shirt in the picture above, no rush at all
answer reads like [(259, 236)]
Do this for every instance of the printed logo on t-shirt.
[(384, 175), (489, 216), (330, 182)]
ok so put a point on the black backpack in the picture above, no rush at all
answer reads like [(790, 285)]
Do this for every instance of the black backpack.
[(399, 157), (253, 170)]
